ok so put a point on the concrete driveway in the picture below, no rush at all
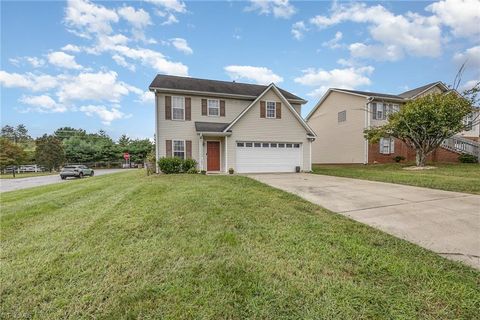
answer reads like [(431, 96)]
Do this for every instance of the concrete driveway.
[(447, 223), (23, 183)]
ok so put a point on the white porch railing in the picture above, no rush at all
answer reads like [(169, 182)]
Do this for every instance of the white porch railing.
[(462, 145)]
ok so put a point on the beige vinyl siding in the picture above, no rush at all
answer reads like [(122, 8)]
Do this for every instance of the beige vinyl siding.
[(185, 130), (253, 128), (298, 108), (435, 89), (339, 142)]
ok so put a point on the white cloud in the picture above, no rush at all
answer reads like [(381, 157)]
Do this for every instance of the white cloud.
[(146, 97), (33, 61), (122, 62), (171, 5), (279, 8), (471, 56), (168, 8), (85, 18), (63, 60), (347, 78), (71, 48), (42, 103), (298, 29), (462, 16), (411, 33), (138, 18), (29, 81), (105, 114), (260, 75), (94, 86), (333, 43), (181, 45), (153, 59), (377, 52)]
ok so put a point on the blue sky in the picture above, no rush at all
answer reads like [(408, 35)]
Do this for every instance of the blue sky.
[(88, 64)]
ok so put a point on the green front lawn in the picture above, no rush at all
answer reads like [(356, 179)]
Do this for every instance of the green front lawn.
[(210, 247), (452, 177), (26, 175)]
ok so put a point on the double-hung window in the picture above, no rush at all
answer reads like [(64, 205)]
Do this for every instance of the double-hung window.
[(271, 109), (178, 108), (387, 145), (179, 149), (213, 107)]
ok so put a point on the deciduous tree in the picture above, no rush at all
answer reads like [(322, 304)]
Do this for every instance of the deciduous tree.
[(49, 152), (424, 123)]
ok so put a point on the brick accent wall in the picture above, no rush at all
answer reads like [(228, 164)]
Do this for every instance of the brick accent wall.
[(401, 149)]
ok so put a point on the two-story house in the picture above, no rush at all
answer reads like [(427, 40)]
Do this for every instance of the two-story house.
[(222, 125), (341, 116)]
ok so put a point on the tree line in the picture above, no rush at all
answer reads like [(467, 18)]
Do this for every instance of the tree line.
[(68, 145)]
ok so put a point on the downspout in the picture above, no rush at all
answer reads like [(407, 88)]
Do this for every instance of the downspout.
[(367, 125), (157, 138), (226, 153)]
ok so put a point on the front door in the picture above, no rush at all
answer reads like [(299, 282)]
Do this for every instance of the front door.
[(213, 155)]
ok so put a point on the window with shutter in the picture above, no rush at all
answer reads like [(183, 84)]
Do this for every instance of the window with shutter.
[(213, 107), (271, 109), (178, 108)]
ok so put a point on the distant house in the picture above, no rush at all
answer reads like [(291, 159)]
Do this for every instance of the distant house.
[(341, 115), (222, 125)]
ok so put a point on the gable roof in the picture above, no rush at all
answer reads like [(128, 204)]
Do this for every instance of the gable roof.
[(415, 92), (284, 100), (371, 94), (228, 88), (405, 96)]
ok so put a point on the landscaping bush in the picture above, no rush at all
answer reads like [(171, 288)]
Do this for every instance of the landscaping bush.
[(189, 164), (398, 158), (467, 158), (192, 170), (170, 165)]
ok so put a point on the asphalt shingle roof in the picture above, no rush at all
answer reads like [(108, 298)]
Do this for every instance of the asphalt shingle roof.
[(214, 86), (374, 94), (210, 126), (414, 92)]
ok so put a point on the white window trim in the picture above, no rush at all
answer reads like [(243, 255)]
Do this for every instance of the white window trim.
[(178, 108), (184, 148), (391, 146), (208, 108), (338, 116), (274, 109)]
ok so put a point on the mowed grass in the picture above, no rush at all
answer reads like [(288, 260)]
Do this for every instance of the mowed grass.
[(463, 177), (26, 175), (127, 246)]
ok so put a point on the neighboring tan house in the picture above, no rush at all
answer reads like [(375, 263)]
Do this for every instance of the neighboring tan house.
[(341, 116), (222, 125)]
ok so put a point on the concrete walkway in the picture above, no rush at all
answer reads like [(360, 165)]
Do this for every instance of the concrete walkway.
[(447, 223), (24, 183)]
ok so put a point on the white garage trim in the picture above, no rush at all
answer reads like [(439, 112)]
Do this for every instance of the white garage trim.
[(268, 156)]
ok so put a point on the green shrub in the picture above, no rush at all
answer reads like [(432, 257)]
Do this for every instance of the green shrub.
[(176, 165), (467, 158), (398, 158), (170, 165), (189, 164), (192, 170)]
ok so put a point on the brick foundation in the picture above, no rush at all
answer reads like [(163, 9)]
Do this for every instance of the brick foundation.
[(401, 149)]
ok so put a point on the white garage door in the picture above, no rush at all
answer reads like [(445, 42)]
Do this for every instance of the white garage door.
[(268, 156)]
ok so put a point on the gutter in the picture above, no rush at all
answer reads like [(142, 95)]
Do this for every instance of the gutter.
[(216, 94)]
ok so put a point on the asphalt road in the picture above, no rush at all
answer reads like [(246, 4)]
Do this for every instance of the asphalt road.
[(23, 183)]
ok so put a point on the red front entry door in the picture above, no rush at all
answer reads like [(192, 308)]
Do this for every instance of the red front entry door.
[(213, 155)]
